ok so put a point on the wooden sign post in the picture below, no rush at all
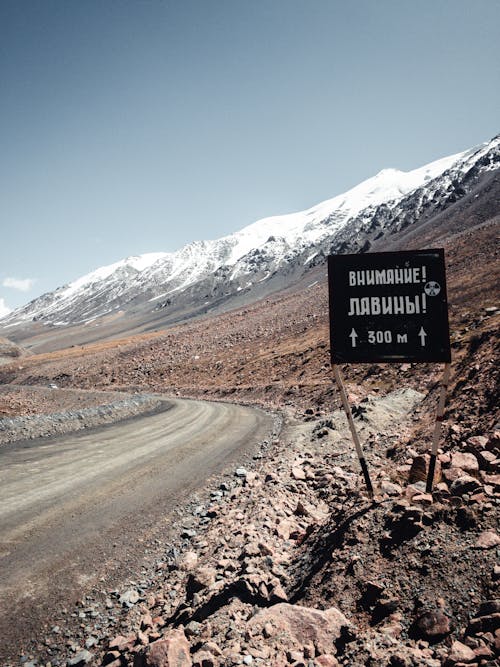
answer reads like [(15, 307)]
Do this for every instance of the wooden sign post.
[(389, 307)]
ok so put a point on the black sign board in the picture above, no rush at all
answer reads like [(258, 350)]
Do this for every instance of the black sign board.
[(388, 307)]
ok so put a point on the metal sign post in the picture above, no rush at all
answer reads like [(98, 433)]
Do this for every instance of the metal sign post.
[(347, 409), (437, 427), (389, 307)]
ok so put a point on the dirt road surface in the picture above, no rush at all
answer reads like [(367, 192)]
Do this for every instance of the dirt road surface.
[(76, 510)]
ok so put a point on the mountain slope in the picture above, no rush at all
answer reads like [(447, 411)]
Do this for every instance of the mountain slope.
[(267, 252)]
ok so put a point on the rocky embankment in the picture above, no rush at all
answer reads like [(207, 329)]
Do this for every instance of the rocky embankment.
[(287, 562), (33, 412)]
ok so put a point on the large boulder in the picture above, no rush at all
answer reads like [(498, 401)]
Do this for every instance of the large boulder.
[(170, 651), (293, 626), (466, 462), (419, 469), (9, 351)]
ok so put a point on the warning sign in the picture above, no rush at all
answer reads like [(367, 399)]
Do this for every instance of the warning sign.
[(388, 307)]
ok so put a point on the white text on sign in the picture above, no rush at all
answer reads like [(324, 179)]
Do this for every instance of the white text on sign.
[(387, 276), (388, 305)]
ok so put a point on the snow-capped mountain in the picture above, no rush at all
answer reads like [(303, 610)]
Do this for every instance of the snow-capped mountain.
[(209, 270)]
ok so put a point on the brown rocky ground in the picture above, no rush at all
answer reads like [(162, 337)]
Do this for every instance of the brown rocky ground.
[(288, 563)]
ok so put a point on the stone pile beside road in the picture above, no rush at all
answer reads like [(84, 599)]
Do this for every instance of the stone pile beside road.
[(57, 422)]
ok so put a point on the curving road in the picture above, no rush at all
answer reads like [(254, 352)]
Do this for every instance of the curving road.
[(77, 507)]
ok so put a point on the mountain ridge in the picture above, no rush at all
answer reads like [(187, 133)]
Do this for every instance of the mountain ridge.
[(209, 270)]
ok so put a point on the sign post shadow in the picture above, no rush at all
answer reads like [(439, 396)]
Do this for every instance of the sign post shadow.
[(389, 307)]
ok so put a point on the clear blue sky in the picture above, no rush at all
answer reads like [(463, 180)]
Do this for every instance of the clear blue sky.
[(138, 126)]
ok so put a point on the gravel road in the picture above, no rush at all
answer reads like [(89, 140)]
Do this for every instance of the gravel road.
[(74, 509)]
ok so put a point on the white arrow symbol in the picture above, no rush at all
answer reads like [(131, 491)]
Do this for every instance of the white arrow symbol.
[(422, 335), (353, 335)]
